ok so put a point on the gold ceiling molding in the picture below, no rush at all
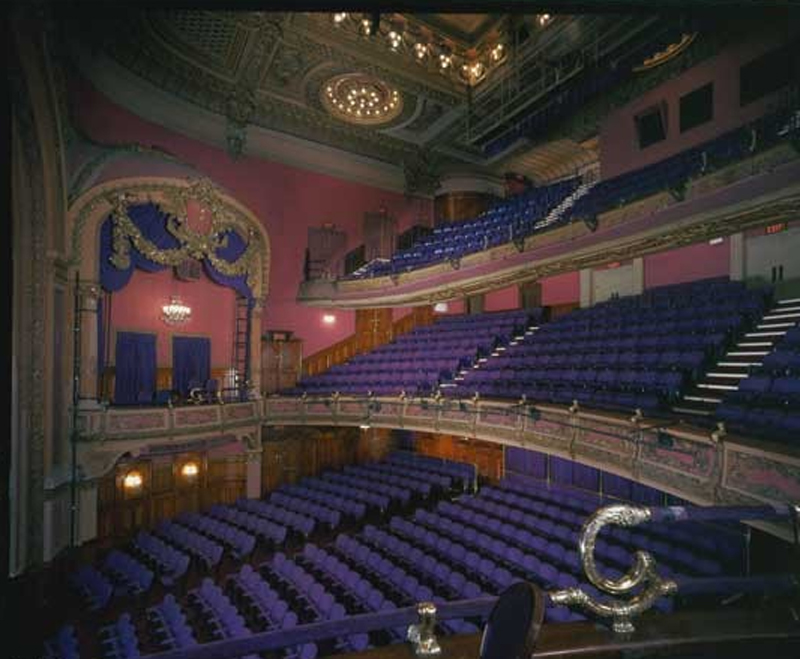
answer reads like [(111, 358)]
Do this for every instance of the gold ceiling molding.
[(91, 209), (361, 99)]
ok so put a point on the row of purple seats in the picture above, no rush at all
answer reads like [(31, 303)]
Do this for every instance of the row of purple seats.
[(348, 492), (301, 523), (254, 524), (352, 583), (344, 505), (608, 359), (556, 502), (453, 582), (395, 491), (554, 537), (130, 575), (118, 640), (501, 224), (94, 588), (311, 509), (169, 626), (207, 551), (413, 484), (171, 563), (466, 472), (432, 478), (239, 542), (252, 595), (488, 561), (220, 617), (322, 603)]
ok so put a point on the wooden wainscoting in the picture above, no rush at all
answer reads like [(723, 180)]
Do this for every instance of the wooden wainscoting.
[(292, 453), (374, 327), (165, 491), (488, 456)]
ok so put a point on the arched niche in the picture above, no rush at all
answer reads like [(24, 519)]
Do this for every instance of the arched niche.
[(174, 196)]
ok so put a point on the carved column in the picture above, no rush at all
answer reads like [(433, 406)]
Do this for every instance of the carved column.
[(89, 293), (586, 287), (737, 262), (253, 452), (255, 349), (637, 275)]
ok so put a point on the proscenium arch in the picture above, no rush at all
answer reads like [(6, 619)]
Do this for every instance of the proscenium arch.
[(85, 218)]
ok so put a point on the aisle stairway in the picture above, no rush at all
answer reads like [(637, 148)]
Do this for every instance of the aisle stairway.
[(568, 202), (480, 363), (702, 399)]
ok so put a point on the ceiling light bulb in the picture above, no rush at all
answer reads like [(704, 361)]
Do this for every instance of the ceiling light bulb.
[(420, 50), (339, 17), (395, 39), (366, 27)]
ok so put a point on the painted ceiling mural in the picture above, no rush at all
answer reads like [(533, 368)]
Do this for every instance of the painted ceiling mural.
[(449, 82)]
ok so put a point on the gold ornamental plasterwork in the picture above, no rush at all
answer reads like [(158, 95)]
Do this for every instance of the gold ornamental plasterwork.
[(173, 197)]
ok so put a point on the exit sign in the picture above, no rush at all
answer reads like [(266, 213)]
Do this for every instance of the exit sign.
[(775, 228)]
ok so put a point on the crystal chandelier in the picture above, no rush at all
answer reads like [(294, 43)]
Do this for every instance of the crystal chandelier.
[(176, 312)]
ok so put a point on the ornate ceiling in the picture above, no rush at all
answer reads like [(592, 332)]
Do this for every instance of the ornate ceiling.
[(272, 70)]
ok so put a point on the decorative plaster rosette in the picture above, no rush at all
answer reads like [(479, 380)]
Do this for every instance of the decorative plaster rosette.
[(361, 99)]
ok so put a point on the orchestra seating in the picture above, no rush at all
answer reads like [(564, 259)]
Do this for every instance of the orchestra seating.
[(524, 215), (418, 361), (443, 547)]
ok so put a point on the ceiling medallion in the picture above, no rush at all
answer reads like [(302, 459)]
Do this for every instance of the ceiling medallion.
[(361, 99)]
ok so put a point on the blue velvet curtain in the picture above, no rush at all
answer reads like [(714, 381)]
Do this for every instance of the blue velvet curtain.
[(152, 222), (135, 371), (191, 363)]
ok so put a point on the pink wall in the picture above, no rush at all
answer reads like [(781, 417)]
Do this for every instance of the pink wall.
[(561, 289), (286, 199), (619, 148), (502, 299), (687, 263), (137, 307)]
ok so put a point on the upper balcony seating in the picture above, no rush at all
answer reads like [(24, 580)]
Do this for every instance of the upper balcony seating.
[(626, 353), (768, 401), (510, 219), (419, 360), (522, 216)]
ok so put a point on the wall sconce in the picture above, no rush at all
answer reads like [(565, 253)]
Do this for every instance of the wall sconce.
[(329, 319), (190, 470), (133, 480), (440, 307)]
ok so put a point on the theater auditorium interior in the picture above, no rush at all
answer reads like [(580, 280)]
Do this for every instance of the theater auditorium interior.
[(440, 332)]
